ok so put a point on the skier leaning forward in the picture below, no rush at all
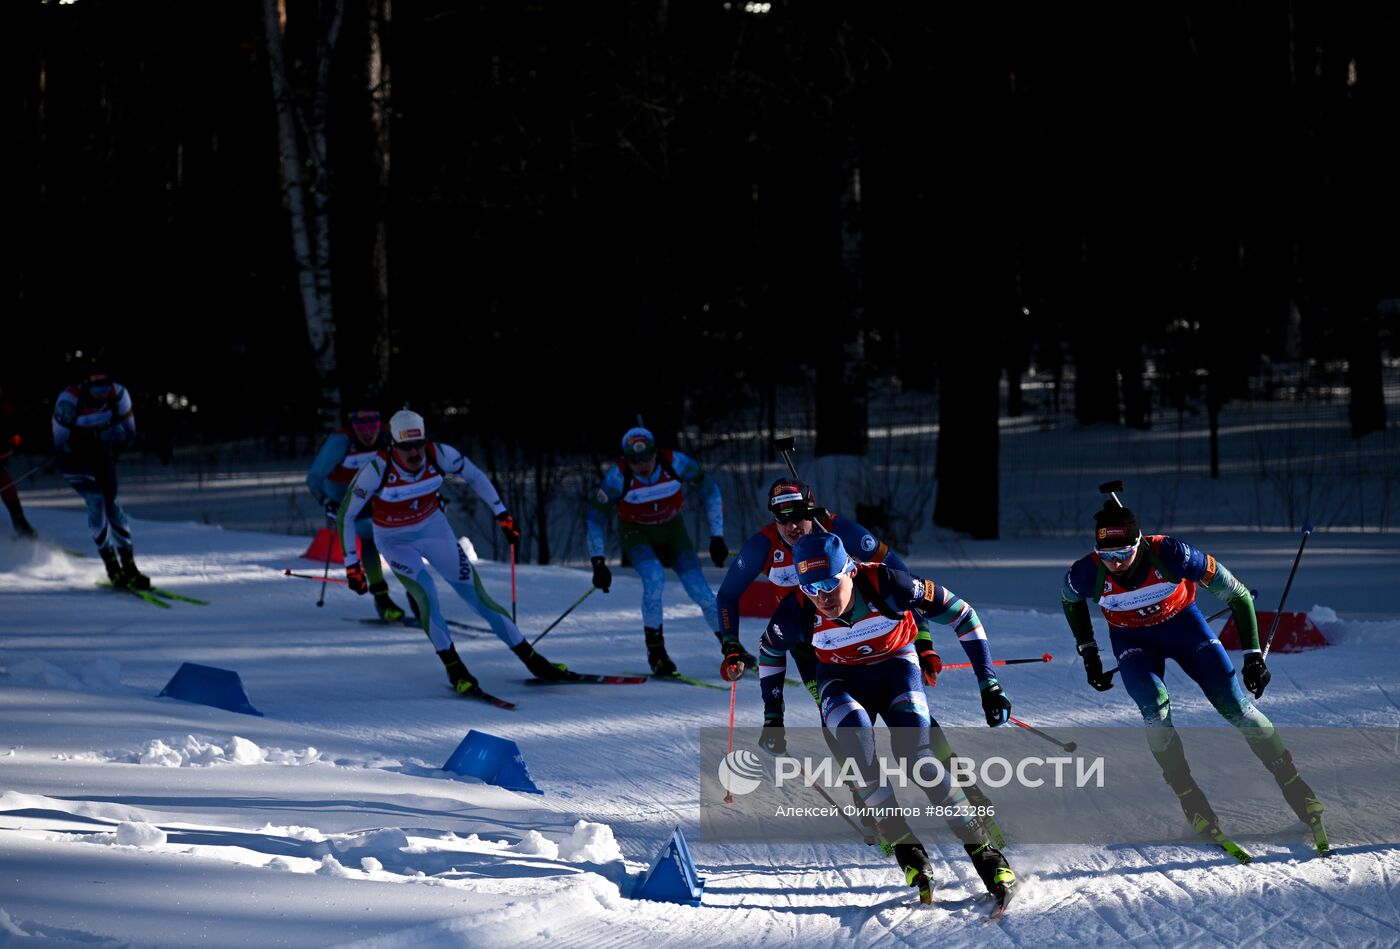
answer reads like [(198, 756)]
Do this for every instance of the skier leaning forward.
[(1146, 587), (409, 528), (793, 506), (860, 620)]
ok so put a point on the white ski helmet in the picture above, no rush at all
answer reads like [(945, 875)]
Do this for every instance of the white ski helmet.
[(407, 426)]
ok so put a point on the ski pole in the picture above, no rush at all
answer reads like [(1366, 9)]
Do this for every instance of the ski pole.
[(733, 694), (1001, 662), (1067, 746), (1209, 619), (35, 470), (562, 615), (811, 782), (326, 574), (783, 446), (1111, 488), (512, 583), (311, 576), (1278, 614)]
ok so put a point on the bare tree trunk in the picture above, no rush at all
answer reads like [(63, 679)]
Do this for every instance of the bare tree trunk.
[(379, 97), (311, 240)]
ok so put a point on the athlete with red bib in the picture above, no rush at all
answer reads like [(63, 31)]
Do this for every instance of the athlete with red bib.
[(860, 620), (410, 528), (1146, 588), (648, 489)]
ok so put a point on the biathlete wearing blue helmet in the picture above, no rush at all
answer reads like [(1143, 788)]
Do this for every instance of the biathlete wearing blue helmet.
[(647, 487), (861, 621), (91, 420)]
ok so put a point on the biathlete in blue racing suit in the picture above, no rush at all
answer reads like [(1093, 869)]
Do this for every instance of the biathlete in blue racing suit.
[(1146, 587), (860, 621)]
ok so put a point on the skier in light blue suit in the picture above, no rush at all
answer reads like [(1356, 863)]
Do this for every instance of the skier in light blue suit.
[(647, 488), (344, 453)]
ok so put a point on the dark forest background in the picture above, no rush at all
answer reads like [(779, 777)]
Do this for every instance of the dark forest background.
[(549, 217)]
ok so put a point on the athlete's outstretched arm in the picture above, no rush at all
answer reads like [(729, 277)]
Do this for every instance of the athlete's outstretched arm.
[(600, 510), (940, 605), (454, 462)]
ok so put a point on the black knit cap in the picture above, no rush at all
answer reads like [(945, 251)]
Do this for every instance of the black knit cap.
[(1115, 527)]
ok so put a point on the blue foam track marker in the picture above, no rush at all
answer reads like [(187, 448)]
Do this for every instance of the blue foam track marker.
[(672, 877), (206, 685), (494, 760)]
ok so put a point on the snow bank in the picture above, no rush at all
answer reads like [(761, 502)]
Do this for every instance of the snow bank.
[(139, 834), (590, 843), (194, 752), (331, 867), (536, 844)]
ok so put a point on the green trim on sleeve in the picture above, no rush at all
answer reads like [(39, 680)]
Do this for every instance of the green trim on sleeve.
[(1234, 593)]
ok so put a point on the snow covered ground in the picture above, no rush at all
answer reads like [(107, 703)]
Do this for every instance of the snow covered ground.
[(128, 819)]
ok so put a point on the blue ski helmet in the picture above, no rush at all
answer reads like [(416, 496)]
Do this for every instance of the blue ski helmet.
[(820, 556), (638, 444)]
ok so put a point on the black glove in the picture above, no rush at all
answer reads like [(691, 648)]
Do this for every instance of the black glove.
[(1093, 668), (332, 507), (355, 577), (116, 435), (602, 576), (718, 551), (508, 528), (1256, 675), (773, 738), (995, 705)]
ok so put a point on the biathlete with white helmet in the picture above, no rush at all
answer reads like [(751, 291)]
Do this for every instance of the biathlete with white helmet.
[(648, 489), (410, 527)]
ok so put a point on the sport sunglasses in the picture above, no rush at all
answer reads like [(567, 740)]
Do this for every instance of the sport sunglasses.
[(1119, 554), (821, 586), (411, 446), (793, 515)]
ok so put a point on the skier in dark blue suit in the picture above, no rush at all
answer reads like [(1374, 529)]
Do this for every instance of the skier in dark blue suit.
[(860, 621), (1146, 587)]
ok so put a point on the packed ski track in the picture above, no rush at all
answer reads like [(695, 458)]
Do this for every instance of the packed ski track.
[(130, 819)]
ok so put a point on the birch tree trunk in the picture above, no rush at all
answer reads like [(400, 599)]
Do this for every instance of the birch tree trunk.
[(311, 238), (379, 98)]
